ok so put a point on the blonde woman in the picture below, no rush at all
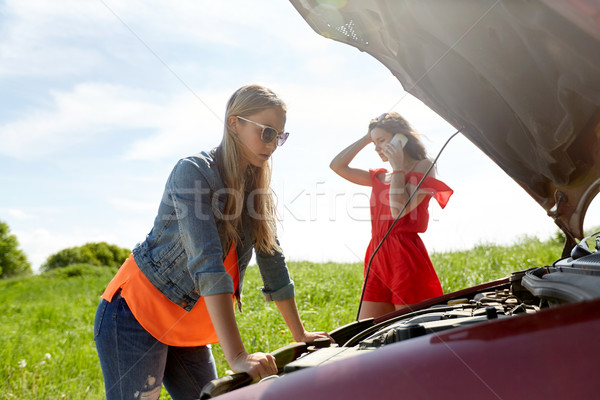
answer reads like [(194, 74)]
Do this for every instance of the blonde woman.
[(401, 272), (175, 294)]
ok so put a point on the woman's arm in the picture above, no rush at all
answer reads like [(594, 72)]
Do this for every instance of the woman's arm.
[(279, 288), (400, 190), (340, 163), (289, 311), (399, 194), (257, 365)]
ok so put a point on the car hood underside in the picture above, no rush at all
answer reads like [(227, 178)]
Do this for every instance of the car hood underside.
[(520, 78)]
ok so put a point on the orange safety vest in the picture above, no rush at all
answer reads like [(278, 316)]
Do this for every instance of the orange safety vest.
[(163, 319)]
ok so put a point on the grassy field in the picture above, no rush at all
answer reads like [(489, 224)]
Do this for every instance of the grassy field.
[(47, 349)]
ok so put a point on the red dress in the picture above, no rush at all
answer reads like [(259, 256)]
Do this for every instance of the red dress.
[(401, 271)]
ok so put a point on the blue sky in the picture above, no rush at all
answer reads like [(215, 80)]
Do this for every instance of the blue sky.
[(100, 98)]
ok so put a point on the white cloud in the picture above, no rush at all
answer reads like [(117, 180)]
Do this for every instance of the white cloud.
[(47, 38), (71, 37), (20, 214), (171, 125), (76, 116), (132, 206), (187, 124)]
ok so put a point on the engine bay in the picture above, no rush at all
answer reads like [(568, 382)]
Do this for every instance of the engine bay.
[(484, 306), (568, 280)]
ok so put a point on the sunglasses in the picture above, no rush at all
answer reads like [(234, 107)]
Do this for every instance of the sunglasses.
[(268, 134), (382, 117)]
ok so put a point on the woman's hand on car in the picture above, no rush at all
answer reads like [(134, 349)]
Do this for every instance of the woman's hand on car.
[(310, 337), (257, 365)]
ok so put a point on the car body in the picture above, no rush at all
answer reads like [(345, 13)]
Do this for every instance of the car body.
[(521, 80)]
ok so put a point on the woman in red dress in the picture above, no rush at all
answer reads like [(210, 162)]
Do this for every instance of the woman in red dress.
[(401, 272)]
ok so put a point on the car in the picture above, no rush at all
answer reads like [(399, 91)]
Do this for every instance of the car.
[(521, 80)]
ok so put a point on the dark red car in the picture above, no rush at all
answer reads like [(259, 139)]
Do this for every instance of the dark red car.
[(521, 80)]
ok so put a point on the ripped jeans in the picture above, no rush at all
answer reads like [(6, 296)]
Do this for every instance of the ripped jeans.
[(135, 364)]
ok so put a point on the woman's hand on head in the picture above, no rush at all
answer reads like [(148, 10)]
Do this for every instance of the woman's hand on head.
[(257, 365)]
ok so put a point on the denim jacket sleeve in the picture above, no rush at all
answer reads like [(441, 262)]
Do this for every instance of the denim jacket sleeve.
[(275, 275), (191, 185)]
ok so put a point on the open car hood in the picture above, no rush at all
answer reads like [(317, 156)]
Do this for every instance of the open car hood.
[(520, 78)]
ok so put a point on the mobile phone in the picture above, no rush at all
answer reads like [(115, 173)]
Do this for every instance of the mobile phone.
[(399, 140)]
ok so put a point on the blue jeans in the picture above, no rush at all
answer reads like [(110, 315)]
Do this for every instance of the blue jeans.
[(135, 364)]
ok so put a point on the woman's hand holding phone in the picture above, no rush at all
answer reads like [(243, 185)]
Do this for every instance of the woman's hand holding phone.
[(394, 151), (399, 140)]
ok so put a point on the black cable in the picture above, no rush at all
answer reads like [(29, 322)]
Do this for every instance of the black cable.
[(362, 295)]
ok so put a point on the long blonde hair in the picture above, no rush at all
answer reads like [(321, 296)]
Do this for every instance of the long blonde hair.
[(254, 181)]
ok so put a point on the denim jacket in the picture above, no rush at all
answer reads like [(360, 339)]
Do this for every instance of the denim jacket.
[(182, 255)]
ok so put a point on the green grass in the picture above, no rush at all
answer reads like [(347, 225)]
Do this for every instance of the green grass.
[(46, 344), (486, 262), (46, 321)]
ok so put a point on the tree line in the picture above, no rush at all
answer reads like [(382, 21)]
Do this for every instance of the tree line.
[(14, 262)]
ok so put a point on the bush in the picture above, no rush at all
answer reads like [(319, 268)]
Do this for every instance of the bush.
[(13, 262), (75, 270), (100, 254)]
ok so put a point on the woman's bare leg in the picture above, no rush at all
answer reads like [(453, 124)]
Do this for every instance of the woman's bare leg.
[(374, 309), (402, 307)]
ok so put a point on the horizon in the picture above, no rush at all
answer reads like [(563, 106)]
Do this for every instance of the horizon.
[(101, 99)]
